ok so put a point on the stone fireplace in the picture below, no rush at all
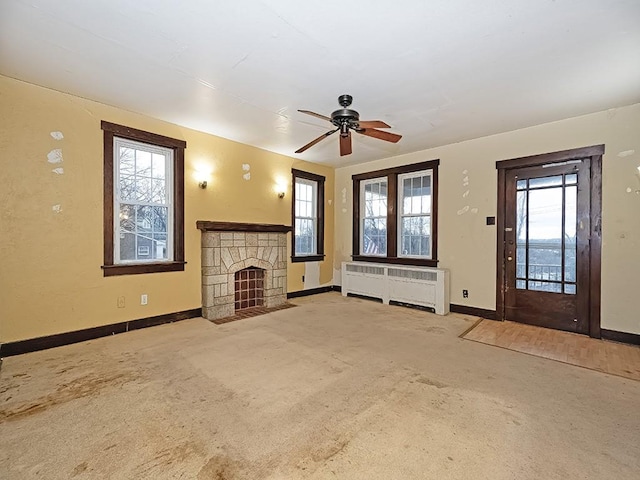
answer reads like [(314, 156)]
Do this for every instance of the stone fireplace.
[(229, 248)]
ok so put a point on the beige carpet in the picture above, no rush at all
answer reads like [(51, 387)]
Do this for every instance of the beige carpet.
[(336, 388), (601, 355)]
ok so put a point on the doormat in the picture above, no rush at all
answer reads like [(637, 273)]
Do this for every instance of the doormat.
[(566, 347), (252, 312)]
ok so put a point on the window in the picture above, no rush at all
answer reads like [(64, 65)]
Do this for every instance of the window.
[(374, 217), (415, 214), (143, 202), (308, 217), (395, 215)]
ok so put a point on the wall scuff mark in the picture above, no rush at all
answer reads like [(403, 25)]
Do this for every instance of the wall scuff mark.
[(57, 208), (465, 183), (55, 156), (57, 135), (58, 170), (463, 210), (626, 153)]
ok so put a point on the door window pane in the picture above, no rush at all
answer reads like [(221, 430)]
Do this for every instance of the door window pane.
[(546, 235), (570, 232), (545, 181), (521, 234), (545, 287)]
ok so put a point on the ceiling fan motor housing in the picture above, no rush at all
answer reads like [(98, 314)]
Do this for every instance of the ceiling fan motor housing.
[(344, 116)]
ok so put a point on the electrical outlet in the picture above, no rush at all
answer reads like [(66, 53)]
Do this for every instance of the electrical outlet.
[(465, 293), (144, 299), (120, 302)]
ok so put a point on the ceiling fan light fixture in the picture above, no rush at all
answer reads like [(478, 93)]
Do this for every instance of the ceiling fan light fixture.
[(346, 120)]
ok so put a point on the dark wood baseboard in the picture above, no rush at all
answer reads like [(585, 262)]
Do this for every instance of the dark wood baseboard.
[(477, 312), (336, 288), (67, 338), (622, 337), (310, 291)]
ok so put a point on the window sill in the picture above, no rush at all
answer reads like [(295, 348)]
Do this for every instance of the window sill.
[(137, 268), (307, 258), (397, 260)]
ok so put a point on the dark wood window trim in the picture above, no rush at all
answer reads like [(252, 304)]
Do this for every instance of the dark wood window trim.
[(594, 155), (319, 179), (109, 268), (392, 217)]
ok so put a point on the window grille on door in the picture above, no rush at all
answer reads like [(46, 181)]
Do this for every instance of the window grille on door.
[(546, 227)]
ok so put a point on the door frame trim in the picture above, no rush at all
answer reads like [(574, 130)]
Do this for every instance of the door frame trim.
[(593, 155)]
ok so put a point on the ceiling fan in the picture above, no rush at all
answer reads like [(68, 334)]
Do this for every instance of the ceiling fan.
[(346, 120)]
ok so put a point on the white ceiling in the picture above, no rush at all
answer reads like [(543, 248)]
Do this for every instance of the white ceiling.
[(438, 71)]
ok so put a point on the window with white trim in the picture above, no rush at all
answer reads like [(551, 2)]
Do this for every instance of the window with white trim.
[(143, 202), (395, 215), (374, 217), (308, 216), (414, 217)]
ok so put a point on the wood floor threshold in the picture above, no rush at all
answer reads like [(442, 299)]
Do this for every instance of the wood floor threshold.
[(600, 355)]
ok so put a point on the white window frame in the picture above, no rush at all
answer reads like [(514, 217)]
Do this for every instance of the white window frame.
[(364, 218), (314, 214), (118, 143), (401, 216)]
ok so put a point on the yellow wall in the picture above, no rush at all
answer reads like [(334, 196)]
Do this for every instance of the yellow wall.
[(467, 246), (50, 274)]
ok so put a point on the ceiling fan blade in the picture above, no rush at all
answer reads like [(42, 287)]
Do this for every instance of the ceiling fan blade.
[(373, 124), (386, 136), (345, 144), (313, 142), (314, 114)]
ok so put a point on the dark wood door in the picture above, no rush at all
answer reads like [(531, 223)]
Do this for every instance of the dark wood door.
[(547, 245)]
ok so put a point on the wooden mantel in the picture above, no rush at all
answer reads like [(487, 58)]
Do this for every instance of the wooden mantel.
[(207, 226)]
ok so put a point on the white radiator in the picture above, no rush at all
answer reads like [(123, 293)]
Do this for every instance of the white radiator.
[(424, 286)]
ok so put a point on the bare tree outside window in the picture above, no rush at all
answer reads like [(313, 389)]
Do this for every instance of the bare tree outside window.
[(143, 202), (374, 218), (307, 216)]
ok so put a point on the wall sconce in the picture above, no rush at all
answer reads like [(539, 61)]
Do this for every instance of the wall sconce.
[(280, 190), (201, 175)]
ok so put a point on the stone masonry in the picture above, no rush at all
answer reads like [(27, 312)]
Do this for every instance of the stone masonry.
[(225, 252)]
